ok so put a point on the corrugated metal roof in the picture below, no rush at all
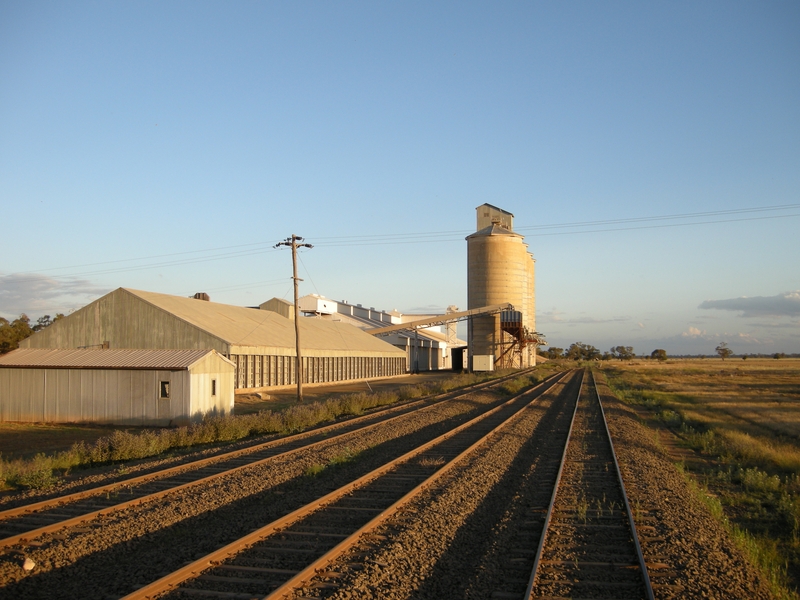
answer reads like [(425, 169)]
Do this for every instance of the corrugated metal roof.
[(241, 326), (94, 358)]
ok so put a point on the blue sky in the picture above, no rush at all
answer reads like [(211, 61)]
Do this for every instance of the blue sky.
[(166, 146)]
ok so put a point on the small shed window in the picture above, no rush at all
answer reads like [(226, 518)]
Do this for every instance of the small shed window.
[(164, 390), (213, 387)]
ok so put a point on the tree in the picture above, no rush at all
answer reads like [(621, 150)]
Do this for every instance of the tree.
[(46, 321), (659, 354), (553, 352), (723, 350), (12, 333), (622, 352), (581, 351)]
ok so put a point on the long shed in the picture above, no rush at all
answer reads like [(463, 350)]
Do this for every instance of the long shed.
[(119, 387), (260, 343)]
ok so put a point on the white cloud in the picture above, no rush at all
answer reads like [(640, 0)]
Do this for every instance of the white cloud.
[(751, 339), (694, 332), (36, 294), (781, 305)]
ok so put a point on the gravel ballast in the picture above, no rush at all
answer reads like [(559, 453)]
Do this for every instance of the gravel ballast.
[(457, 540), (109, 557)]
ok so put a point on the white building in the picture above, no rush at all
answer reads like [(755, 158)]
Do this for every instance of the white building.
[(432, 349)]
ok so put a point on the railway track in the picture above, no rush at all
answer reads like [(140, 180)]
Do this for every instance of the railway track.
[(22, 524), (286, 555), (573, 530), (556, 495), (589, 547)]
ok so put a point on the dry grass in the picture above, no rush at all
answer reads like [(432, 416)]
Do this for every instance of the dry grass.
[(743, 420), (26, 440), (754, 404), (42, 469)]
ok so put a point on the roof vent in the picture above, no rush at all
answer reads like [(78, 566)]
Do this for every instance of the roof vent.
[(202, 296)]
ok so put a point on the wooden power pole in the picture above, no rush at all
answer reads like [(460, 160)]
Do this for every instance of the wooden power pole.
[(298, 364)]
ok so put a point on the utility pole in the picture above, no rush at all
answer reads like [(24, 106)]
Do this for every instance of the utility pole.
[(298, 364)]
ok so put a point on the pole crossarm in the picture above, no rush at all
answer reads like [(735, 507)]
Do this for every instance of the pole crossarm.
[(440, 320), (293, 243)]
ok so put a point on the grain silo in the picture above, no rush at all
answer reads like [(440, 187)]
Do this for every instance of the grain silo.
[(500, 270)]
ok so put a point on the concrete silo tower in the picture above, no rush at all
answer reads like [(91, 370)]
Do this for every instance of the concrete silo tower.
[(500, 270)]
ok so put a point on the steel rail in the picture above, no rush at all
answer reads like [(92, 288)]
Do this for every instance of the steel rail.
[(546, 525), (194, 465), (631, 521), (325, 560), (171, 581)]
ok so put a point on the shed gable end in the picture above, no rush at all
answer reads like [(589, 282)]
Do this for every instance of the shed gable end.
[(125, 321)]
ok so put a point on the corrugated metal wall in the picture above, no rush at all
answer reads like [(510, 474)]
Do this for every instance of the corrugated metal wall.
[(114, 396), (259, 371), (128, 322), (124, 397), (212, 382)]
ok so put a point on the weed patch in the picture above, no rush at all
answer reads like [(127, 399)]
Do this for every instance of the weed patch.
[(314, 470), (44, 471)]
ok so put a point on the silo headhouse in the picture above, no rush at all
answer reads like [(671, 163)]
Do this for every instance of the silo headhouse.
[(500, 270)]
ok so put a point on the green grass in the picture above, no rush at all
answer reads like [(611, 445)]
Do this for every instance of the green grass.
[(762, 551), (314, 470), (516, 385), (341, 458)]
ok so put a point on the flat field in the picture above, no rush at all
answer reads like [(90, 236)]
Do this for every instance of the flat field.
[(739, 420), (760, 397)]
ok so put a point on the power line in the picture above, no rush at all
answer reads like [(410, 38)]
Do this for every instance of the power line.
[(148, 265), (460, 235), (417, 236), (229, 288), (714, 213), (666, 225), (251, 249), (121, 260)]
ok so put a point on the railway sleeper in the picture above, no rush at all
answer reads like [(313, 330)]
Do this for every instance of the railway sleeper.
[(215, 594), (246, 568)]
